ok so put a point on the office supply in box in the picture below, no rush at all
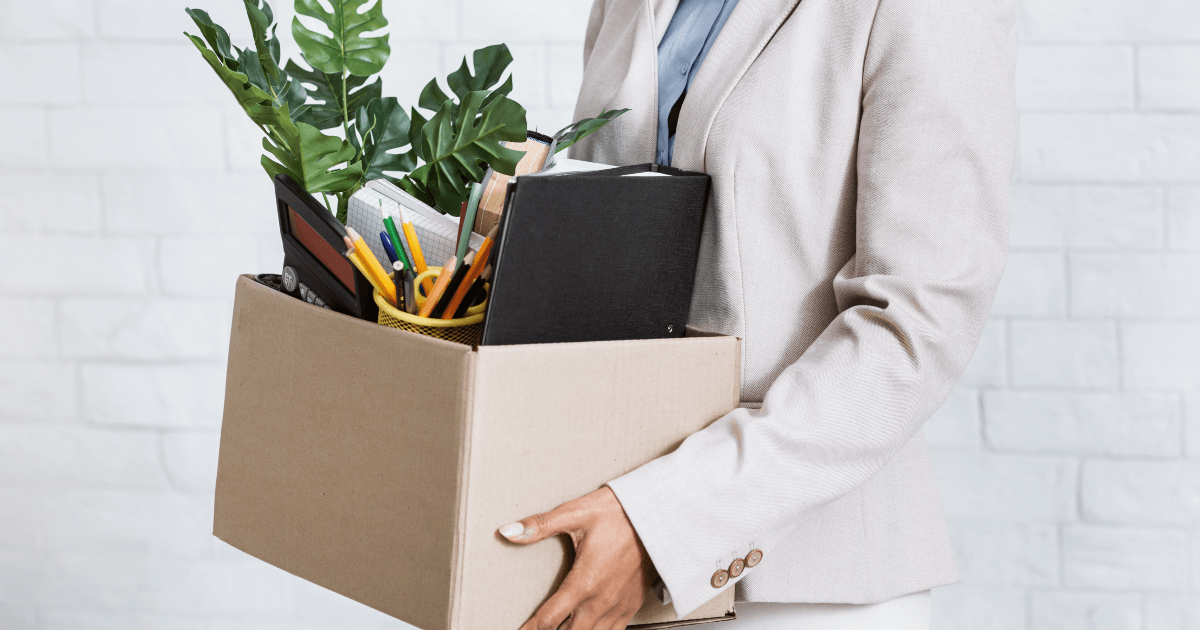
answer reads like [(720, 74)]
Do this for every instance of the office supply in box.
[(460, 298), (439, 289), (476, 293), (391, 496), (437, 232), (593, 256), (539, 152), (466, 327), (386, 241), (364, 259), (314, 267)]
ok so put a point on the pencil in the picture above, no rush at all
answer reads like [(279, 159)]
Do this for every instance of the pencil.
[(466, 219), (390, 226), (460, 275), (475, 292), (481, 260), (387, 247), (398, 284), (404, 286), (361, 256), (414, 246), (444, 278), (363, 268)]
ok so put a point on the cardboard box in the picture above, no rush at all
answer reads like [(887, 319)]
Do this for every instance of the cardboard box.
[(379, 463)]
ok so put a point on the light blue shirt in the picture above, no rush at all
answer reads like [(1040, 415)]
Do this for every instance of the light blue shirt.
[(692, 31)]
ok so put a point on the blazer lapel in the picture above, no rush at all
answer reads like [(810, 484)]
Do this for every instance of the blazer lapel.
[(745, 35), (661, 11)]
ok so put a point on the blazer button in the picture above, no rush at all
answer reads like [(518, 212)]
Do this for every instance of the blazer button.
[(753, 558), (736, 567), (720, 578)]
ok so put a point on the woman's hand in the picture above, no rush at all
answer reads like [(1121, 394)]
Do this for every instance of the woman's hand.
[(605, 586)]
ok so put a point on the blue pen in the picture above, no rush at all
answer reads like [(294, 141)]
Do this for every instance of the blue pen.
[(387, 247)]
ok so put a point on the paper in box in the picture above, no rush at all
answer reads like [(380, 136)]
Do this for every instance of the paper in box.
[(379, 463)]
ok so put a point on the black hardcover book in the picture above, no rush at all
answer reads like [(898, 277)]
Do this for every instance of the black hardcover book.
[(596, 256)]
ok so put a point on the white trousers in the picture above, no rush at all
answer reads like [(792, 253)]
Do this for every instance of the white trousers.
[(910, 612)]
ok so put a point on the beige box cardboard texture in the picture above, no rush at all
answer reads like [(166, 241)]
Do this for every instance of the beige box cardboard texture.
[(379, 463)]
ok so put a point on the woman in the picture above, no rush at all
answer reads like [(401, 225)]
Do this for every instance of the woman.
[(861, 152)]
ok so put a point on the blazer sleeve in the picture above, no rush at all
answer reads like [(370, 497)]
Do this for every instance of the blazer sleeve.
[(936, 145)]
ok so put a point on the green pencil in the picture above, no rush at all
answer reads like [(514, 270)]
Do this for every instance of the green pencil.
[(390, 225)]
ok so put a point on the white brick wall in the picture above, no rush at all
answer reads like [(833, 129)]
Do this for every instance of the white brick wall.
[(1098, 338), (1069, 456)]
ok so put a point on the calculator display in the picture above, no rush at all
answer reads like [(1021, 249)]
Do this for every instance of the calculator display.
[(320, 248)]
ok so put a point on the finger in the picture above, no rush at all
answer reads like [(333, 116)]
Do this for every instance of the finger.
[(616, 619), (556, 609), (607, 622), (539, 527), (585, 617)]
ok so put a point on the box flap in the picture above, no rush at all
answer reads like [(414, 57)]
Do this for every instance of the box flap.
[(553, 422), (330, 443)]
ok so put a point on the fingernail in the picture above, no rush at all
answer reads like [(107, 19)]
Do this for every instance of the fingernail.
[(512, 530)]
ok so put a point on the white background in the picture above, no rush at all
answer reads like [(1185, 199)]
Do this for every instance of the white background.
[(131, 197)]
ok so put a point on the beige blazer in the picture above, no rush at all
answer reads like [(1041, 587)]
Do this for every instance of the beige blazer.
[(861, 153)]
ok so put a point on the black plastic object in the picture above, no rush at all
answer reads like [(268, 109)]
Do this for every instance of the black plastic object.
[(596, 256), (314, 267), (270, 280)]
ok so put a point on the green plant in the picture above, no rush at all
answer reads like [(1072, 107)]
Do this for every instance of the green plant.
[(577, 131), (302, 111)]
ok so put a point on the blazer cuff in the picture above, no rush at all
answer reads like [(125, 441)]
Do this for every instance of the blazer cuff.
[(681, 559)]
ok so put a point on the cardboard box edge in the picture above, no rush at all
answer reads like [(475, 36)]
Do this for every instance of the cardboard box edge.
[(462, 484), (238, 304), (729, 616)]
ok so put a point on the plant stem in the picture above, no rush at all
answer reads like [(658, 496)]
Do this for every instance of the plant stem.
[(343, 206), (345, 105)]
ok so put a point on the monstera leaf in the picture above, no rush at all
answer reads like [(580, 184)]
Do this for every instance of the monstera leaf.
[(243, 72), (283, 90), (311, 158), (266, 73), (383, 126), (579, 130), (338, 99), (490, 64), (347, 50), (257, 104), (457, 150), (216, 37), (266, 44)]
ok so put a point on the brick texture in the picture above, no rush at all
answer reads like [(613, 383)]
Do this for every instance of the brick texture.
[(1085, 611), (1068, 456)]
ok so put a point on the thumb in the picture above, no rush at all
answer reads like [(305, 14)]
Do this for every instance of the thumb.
[(539, 527)]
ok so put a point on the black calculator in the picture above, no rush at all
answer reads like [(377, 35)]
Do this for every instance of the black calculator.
[(315, 268)]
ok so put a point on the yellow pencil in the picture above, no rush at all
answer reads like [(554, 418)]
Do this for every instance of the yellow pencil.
[(444, 278), (361, 256), (358, 263), (414, 246)]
